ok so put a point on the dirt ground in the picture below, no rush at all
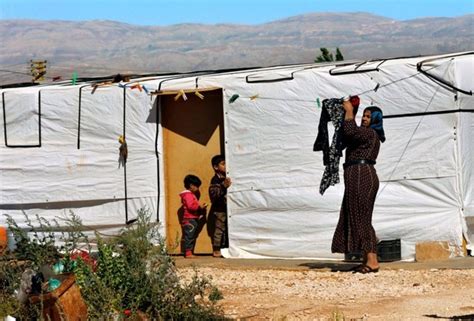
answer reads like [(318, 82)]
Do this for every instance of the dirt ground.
[(315, 291)]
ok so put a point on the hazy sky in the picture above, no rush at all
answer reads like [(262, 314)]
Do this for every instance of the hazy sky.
[(166, 12)]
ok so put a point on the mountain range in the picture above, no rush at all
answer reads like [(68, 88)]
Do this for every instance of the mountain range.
[(99, 48)]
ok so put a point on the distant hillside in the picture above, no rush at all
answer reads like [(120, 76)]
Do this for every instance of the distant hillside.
[(105, 47)]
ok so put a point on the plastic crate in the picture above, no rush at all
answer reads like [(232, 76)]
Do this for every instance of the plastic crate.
[(387, 251)]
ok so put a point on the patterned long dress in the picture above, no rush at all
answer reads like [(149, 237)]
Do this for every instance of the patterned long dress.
[(354, 231)]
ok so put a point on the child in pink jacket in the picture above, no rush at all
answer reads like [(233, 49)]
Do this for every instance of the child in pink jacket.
[(193, 211)]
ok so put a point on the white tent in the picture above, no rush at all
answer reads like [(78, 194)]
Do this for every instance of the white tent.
[(59, 151)]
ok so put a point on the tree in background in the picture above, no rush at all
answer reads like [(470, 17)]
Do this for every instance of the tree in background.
[(339, 56), (327, 56)]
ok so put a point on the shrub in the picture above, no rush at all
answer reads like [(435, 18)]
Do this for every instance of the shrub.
[(133, 272)]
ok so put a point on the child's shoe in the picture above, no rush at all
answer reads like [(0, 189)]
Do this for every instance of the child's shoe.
[(189, 255)]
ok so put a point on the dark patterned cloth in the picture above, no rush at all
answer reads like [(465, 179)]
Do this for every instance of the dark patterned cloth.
[(333, 111), (354, 231)]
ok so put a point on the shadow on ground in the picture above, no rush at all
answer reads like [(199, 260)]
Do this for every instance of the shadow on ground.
[(333, 266), (467, 317)]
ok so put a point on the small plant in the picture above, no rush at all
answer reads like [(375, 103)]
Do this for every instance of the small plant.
[(40, 248), (132, 272), (10, 273), (215, 295), (31, 252), (338, 316)]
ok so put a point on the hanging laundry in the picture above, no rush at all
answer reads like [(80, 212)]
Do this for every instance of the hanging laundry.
[(333, 112), (123, 151)]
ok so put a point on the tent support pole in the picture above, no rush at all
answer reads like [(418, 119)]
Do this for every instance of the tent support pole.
[(79, 118), (158, 110), (125, 161)]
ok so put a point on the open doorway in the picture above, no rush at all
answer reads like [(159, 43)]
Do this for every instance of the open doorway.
[(193, 132)]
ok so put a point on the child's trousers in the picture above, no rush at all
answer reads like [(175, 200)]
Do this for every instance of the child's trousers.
[(219, 237), (190, 227)]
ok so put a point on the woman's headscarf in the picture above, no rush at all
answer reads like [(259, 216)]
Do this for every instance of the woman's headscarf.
[(376, 121)]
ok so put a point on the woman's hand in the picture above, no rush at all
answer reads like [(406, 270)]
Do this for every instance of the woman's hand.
[(347, 105)]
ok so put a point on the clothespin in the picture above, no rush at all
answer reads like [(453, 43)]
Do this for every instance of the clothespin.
[(254, 97), (122, 85), (74, 77), (97, 85), (233, 98), (136, 86), (376, 87), (145, 89), (56, 78), (181, 93), (318, 102), (197, 93), (41, 74)]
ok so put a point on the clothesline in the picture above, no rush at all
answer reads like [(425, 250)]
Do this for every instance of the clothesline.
[(333, 152), (410, 139), (375, 89)]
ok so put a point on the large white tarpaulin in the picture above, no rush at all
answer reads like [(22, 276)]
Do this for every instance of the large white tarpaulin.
[(77, 165), (425, 167)]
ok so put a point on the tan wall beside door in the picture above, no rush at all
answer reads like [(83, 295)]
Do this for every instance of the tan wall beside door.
[(192, 134)]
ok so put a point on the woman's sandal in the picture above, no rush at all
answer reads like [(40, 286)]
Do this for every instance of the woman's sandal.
[(364, 269), (357, 267)]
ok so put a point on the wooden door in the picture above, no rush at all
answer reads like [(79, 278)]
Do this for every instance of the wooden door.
[(193, 133)]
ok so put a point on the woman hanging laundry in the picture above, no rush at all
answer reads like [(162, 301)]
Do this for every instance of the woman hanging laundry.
[(354, 231)]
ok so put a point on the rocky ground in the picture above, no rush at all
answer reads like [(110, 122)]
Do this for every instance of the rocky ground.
[(313, 294)]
